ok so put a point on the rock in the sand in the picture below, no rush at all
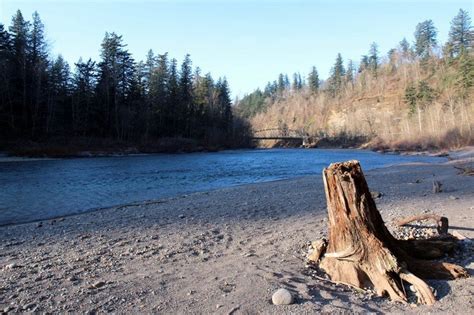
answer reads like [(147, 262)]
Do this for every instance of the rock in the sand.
[(8, 309), (181, 216), (282, 297), (12, 266), (97, 285)]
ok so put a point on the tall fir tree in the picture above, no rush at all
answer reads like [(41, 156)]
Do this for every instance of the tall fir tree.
[(374, 59), (313, 80), (186, 96), (7, 117), (405, 48), (350, 72), (225, 104), (116, 72), (159, 95), (297, 82), (38, 61), (337, 76), (173, 97), (461, 34), (364, 63), (84, 106), (425, 39), (21, 72), (59, 111), (281, 83)]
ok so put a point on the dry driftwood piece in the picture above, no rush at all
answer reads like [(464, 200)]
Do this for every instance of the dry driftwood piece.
[(442, 222), (363, 253)]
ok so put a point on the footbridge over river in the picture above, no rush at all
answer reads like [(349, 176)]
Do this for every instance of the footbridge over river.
[(282, 134)]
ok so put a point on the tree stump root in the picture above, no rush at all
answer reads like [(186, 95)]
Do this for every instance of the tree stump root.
[(360, 250)]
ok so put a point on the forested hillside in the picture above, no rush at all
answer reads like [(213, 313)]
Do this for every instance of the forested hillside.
[(115, 100), (419, 95)]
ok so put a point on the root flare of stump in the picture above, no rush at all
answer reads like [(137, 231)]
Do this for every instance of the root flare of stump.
[(360, 250)]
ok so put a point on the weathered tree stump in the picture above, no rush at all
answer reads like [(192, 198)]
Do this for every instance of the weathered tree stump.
[(361, 251)]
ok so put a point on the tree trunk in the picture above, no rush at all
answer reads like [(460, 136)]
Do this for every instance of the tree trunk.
[(361, 251)]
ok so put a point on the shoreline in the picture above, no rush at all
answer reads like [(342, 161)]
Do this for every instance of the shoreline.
[(217, 252), (183, 146)]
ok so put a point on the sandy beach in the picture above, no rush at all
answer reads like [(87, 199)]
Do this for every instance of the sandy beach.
[(223, 251)]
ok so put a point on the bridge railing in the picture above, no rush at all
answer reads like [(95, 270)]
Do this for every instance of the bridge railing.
[(279, 132)]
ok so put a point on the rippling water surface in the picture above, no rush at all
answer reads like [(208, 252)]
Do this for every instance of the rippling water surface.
[(39, 189)]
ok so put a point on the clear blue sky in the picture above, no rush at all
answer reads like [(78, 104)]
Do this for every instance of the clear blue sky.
[(250, 42)]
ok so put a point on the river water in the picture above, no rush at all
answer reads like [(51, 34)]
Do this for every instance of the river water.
[(39, 189)]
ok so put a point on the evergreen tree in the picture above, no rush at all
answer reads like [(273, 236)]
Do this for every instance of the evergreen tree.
[(204, 100), (364, 63), (425, 94), (301, 82), (392, 56), (410, 97), (281, 83), (297, 83), (373, 58), (405, 48), (254, 103), (37, 43), (149, 67), (313, 80), (350, 72), (337, 74), (84, 110), (7, 117), (174, 98), (186, 95), (461, 34), (287, 82), (38, 61), (116, 73), (225, 104), (465, 79), (59, 113), (425, 38), (21, 71), (158, 94)]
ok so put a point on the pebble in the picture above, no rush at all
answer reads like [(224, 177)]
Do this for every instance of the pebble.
[(98, 284), (29, 306), (282, 297), (12, 266)]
